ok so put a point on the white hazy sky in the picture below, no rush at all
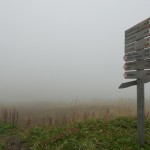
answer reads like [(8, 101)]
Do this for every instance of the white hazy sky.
[(65, 49)]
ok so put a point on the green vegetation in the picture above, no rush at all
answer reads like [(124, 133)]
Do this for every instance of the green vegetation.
[(115, 134)]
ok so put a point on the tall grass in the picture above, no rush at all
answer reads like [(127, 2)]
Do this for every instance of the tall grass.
[(56, 115)]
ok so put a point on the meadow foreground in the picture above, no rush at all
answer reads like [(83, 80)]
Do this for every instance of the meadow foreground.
[(93, 134)]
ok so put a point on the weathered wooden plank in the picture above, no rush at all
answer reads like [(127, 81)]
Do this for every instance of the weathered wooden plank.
[(130, 75), (130, 66), (142, 74), (127, 84), (137, 55), (137, 36), (146, 80), (140, 26), (142, 64), (132, 83), (143, 43)]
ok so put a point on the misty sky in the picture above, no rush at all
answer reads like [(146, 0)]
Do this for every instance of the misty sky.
[(65, 49)]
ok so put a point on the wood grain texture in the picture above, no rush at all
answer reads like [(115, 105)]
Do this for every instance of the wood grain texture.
[(138, 27)]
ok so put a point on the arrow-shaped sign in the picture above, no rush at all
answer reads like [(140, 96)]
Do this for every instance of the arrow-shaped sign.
[(137, 55), (143, 74), (142, 64), (141, 44), (131, 83)]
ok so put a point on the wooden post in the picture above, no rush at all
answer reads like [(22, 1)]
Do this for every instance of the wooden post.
[(137, 57), (140, 111)]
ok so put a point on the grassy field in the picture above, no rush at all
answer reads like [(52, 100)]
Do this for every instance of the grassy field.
[(93, 134), (75, 126)]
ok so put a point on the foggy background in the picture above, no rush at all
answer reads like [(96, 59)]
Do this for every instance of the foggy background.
[(56, 50)]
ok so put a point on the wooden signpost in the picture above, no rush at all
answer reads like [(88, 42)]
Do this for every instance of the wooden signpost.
[(137, 58)]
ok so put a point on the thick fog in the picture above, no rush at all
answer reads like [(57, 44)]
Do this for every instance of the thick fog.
[(65, 49)]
